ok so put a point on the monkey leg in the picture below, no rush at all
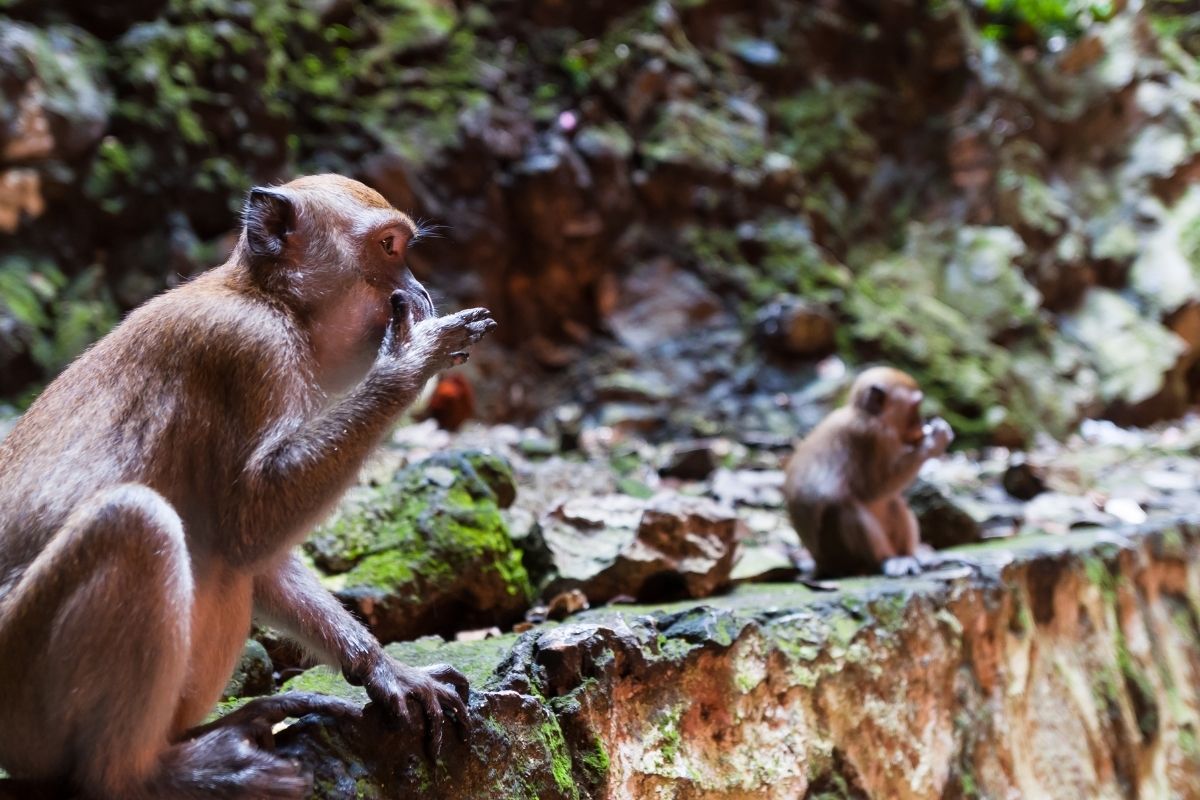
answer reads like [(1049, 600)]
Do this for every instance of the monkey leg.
[(93, 644), (853, 542), (901, 525)]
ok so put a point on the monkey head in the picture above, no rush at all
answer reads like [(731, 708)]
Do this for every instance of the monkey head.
[(335, 251), (893, 398)]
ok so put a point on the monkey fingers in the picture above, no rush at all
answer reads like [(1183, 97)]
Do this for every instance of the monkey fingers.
[(454, 333), (399, 324), (228, 764), (448, 676), (258, 717), (437, 691)]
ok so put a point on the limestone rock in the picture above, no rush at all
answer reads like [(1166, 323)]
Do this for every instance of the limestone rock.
[(427, 551), (671, 546), (943, 523), (20, 198), (796, 327), (253, 675), (52, 104), (1058, 671), (1134, 357)]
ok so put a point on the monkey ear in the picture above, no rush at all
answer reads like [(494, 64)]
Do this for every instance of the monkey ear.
[(875, 399), (268, 216)]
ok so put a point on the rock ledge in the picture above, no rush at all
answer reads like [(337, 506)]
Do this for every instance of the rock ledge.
[(1066, 666)]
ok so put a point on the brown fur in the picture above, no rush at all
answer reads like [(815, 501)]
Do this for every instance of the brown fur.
[(149, 500), (845, 480)]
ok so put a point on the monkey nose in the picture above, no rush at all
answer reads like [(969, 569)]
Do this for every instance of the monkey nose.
[(428, 301)]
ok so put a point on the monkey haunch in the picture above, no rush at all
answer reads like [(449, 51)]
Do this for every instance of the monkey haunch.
[(845, 480), (150, 499)]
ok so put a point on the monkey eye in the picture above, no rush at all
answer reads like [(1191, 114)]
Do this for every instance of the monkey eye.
[(389, 245)]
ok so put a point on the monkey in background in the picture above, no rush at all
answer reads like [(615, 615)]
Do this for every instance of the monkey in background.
[(844, 484), (151, 497)]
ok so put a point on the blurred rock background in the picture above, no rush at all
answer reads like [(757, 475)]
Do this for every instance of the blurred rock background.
[(688, 216)]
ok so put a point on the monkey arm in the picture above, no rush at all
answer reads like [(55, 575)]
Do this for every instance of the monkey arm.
[(300, 466), (290, 597), (904, 469)]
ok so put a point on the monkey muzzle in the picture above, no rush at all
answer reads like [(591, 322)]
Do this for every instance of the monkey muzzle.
[(412, 302)]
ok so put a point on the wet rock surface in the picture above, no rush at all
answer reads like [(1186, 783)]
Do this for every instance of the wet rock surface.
[(1061, 668)]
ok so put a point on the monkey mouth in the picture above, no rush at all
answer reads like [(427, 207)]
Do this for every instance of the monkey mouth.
[(416, 301)]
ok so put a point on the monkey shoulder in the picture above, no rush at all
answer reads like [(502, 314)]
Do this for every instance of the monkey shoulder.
[(814, 472)]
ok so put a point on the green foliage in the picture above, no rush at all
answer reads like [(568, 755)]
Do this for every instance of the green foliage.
[(1177, 21), (822, 126), (786, 261), (714, 138), (54, 317), (215, 92), (1046, 17)]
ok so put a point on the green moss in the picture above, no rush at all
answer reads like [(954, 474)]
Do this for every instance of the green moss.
[(595, 760), (820, 128), (1022, 618), (325, 680), (889, 611), (1189, 745), (560, 758), (669, 739), (421, 530), (1172, 543)]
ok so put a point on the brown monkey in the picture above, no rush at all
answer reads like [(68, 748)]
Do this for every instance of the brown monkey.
[(151, 497), (844, 482)]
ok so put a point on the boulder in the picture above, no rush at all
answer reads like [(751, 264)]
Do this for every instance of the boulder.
[(658, 301), (427, 551), (943, 523), (254, 674), (670, 546), (796, 327)]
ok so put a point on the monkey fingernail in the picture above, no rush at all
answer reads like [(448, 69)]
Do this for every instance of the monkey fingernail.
[(460, 358)]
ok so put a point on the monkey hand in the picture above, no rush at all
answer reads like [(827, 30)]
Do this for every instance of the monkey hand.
[(443, 341), (434, 692), (938, 436)]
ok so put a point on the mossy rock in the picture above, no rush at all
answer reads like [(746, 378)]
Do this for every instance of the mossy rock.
[(428, 551)]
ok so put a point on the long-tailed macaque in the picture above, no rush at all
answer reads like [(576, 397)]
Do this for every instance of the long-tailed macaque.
[(151, 497), (845, 481)]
